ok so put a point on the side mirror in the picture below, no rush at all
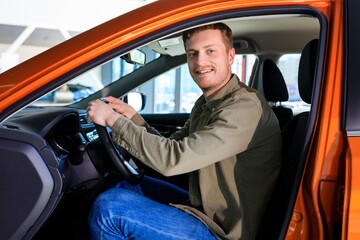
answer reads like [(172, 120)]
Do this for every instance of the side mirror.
[(135, 57), (136, 100)]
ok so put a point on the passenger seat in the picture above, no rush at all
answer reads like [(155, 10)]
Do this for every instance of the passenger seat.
[(276, 218), (275, 91)]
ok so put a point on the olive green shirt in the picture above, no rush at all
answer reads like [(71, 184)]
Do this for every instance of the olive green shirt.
[(230, 145)]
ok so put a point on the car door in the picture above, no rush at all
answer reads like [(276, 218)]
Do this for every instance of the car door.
[(351, 123), (314, 215)]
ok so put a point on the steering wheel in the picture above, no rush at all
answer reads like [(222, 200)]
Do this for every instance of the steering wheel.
[(124, 161)]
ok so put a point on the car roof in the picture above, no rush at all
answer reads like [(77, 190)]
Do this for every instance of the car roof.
[(261, 35)]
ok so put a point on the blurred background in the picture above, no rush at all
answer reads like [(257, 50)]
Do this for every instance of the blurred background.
[(28, 28)]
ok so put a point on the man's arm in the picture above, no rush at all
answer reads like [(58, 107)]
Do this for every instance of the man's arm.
[(228, 134)]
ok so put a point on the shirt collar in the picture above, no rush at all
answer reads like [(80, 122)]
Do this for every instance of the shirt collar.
[(228, 88)]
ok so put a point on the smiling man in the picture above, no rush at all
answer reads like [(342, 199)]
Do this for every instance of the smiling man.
[(230, 146), (209, 59)]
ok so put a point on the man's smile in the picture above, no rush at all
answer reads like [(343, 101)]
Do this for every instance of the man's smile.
[(203, 71)]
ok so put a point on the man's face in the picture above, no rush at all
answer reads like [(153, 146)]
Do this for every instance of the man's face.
[(209, 60)]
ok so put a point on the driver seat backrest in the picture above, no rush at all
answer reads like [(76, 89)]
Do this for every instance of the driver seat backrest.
[(275, 91), (278, 213)]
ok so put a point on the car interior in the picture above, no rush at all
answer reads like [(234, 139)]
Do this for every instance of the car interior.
[(60, 160)]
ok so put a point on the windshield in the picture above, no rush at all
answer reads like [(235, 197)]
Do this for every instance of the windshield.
[(96, 79)]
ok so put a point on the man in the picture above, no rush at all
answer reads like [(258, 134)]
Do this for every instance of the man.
[(231, 146)]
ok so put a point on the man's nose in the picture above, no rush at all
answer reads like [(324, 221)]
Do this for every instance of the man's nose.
[(201, 58)]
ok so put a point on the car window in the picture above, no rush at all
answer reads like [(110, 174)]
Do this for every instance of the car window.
[(175, 91), (94, 80)]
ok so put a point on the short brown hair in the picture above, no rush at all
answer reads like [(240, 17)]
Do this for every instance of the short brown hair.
[(224, 29)]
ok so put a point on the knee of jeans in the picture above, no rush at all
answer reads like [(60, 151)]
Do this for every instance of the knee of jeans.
[(114, 199), (110, 205), (103, 206)]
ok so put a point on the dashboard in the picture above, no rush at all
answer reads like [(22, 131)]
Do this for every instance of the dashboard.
[(48, 157), (76, 150)]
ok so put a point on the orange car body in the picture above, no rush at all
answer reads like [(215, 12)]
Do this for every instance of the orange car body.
[(330, 188)]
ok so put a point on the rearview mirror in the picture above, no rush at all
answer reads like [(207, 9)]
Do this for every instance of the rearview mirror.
[(135, 57), (136, 100)]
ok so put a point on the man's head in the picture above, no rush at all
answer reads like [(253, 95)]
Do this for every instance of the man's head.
[(210, 54), (223, 28)]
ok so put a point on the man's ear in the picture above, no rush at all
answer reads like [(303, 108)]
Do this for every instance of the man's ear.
[(231, 56)]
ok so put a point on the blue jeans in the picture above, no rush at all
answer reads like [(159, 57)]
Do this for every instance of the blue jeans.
[(142, 212)]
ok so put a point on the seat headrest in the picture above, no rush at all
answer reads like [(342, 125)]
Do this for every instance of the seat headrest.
[(306, 72), (274, 85)]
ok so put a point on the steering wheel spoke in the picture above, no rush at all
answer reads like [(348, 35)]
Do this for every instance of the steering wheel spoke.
[(128, 166)]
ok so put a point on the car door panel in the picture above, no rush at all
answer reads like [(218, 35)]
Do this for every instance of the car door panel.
[(168, 123)]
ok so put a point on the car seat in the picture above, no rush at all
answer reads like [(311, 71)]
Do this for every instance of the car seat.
[(276, 218), (275, 91)]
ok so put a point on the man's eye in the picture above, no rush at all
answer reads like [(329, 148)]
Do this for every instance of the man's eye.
[(191, 54), (211, 51)]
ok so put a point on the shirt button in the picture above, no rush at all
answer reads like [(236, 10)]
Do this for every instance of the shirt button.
[(127, 148)]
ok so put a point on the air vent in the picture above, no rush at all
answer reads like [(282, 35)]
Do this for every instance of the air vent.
[(83, 119), (11, 127)]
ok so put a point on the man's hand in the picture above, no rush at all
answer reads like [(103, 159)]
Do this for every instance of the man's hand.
[(101, 113), (121, 107)]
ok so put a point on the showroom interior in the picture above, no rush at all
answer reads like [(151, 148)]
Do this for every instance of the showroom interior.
[(28, 28)]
